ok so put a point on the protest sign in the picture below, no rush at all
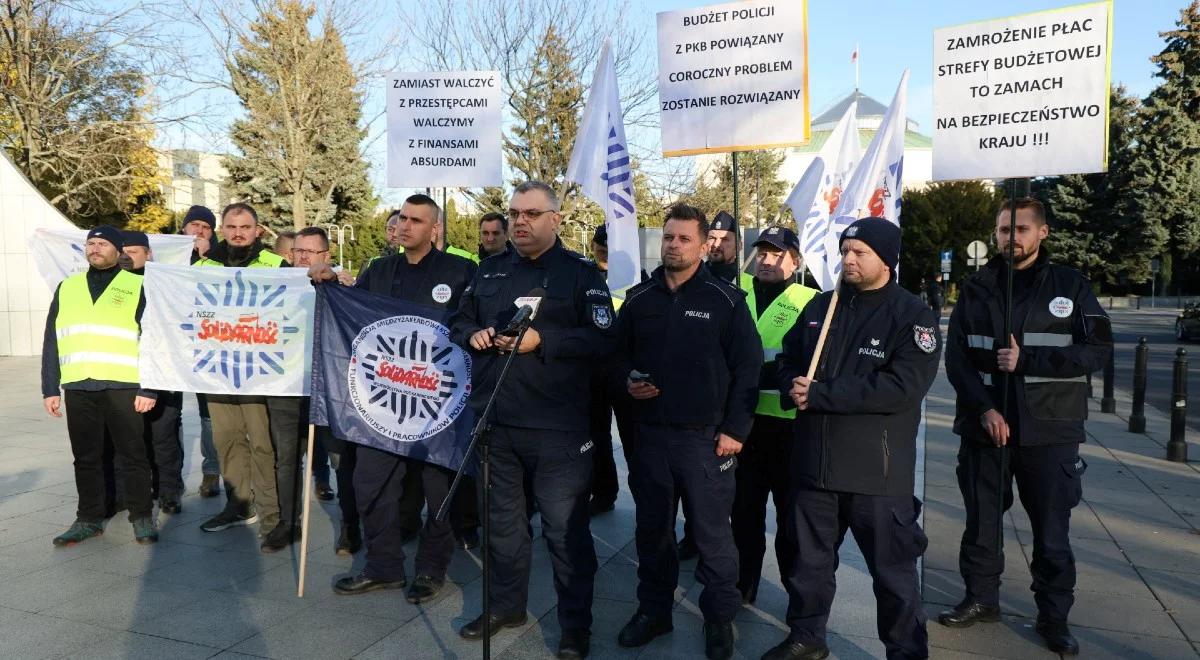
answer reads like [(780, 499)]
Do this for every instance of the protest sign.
[(1023, 96), (58, 253), (443, 129), (733, 77)]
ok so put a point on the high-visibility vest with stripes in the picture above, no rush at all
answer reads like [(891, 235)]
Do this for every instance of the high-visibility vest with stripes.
[(98, 340), (450, 249), (265, 259), (776, 320)]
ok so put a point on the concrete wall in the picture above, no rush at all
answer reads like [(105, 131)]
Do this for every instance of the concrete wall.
[(24, 297)]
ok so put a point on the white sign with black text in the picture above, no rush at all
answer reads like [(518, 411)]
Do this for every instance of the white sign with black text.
[(443, 129), (1023, 96), (733, 77)]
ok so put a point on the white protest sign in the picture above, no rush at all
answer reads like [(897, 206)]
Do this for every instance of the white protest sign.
[(1023, 96), (443, 129), (733, 77), (59, 253)]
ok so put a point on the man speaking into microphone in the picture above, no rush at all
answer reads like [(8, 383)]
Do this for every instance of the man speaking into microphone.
[(540, 421)]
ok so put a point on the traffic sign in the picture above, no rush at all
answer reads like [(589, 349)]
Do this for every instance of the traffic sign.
[(977, 249)]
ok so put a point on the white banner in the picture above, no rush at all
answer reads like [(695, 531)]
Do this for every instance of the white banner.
[(815, 197), (227, 330), (877, 184), (600, 164), (733, 77), (58, 253), (1023, 96), (443, 129)]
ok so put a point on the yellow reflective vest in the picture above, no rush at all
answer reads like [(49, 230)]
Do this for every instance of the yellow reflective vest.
[(776, 320), (265, 259), (98, 340)]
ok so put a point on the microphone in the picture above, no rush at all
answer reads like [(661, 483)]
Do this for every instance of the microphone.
[(527, 307)]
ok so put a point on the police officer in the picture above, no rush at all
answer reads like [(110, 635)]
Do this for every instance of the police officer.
[(163, 445), (723, 245), (853, 460), (775, 300), (242, 430), (493, 235), (1059, 335), (607, 402), (689, 353), (541, 417), (425, 275), (311, 248), (90, 351)]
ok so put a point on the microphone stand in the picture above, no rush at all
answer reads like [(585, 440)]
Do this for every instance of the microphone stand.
[(479, 439)]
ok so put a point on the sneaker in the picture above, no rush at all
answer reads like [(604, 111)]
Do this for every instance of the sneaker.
[(226, 519), (144, 532), (279, 538), (79, 532)]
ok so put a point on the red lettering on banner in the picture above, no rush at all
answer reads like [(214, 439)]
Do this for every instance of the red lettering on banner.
[(418, 377), (246, 331)]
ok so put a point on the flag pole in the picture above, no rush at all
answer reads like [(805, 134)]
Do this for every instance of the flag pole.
[(312, 430), (737, 224), (857, 57), (816, 357)]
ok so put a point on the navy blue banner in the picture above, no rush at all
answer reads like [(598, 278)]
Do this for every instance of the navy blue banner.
[(386, 375)]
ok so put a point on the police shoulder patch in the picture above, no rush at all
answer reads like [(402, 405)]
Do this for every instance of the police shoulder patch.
[(925, 338), (602, 316)]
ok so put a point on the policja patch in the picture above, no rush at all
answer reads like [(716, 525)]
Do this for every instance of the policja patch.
[(601, 317), (925, 338)]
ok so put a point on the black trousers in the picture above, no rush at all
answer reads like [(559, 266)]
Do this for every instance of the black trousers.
[(891, 540), (762, 472), (379, 481), (604, 405), (464, 512), (288, 417), (1049, 479), (560, 468), (89, 416), (163, 446), (344, 456), (670, 462)]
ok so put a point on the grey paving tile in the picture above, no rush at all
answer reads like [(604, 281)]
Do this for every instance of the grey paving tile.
[(25, 635), (219, 619), (122, 605), (133, 646), (43, 589), (318, 634), (1109, 644)]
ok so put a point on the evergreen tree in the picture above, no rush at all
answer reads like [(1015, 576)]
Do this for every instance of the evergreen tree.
[(299, 139), (944, 216), (760, 190)]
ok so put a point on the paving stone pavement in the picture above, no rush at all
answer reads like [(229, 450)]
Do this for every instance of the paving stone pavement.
[(215, 596)]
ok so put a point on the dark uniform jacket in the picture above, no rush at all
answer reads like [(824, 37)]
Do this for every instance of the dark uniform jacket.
[(1063, 335), (548, 388), (858, 434), (700, 347), (437, 280)]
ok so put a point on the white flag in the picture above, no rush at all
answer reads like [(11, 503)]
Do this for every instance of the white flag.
[(815, 197), (600, 165), (227, 330), (875, 187), (58, 253)]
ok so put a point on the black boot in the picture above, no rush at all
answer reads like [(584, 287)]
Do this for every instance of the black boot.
[(968, 613), (718, 640), (1058, 636), (642, 628)]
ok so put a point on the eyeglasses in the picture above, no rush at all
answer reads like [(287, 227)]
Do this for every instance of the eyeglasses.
[(305, 253), (514, 214)]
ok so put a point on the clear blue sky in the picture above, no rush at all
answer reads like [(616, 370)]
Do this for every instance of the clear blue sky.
[(894, 34)]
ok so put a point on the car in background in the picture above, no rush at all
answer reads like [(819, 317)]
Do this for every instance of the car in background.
[(1187, 325)]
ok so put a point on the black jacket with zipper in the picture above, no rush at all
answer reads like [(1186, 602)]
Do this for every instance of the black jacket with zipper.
[(858, 434), (1063, 335), (700, 347)]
